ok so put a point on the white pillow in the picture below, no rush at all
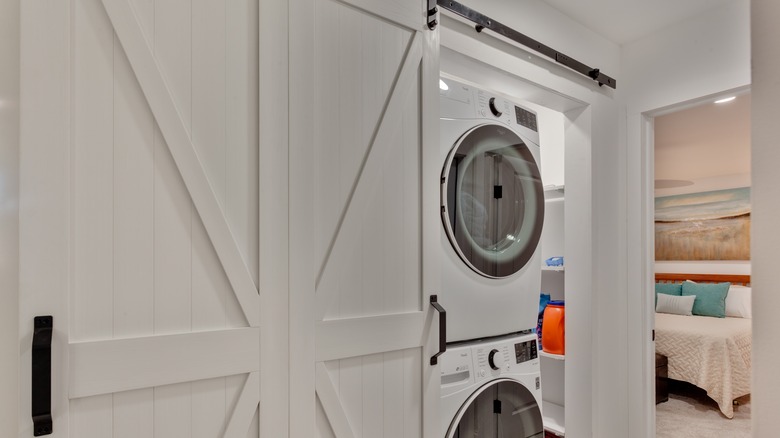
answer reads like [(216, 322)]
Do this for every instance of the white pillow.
[(678, 305), (738, 302)]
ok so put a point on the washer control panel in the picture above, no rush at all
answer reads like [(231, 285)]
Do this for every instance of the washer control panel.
[(525, 351), (462, 365)]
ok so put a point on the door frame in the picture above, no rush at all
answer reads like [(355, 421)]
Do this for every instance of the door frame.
[(642, 265)]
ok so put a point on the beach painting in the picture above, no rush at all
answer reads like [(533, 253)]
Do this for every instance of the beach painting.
[(703, 226)]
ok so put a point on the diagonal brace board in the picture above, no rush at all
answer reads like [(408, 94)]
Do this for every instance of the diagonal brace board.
[(376, 152), (334, 410), (245, 409), (167, 115)]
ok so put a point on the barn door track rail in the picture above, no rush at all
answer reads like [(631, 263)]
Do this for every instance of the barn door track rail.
[(484, 22)]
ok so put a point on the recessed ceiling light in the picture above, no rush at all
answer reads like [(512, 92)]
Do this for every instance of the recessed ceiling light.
[(443, 85), (726, 99)]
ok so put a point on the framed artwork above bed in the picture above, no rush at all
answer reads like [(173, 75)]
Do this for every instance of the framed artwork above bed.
[(703, 226)]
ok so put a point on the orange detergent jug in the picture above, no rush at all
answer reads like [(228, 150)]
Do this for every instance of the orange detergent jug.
[(554, 328)]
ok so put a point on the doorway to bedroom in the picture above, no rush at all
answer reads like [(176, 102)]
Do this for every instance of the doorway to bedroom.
[(702, 267)]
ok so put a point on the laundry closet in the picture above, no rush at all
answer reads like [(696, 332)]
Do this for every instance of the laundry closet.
[(562, 150)]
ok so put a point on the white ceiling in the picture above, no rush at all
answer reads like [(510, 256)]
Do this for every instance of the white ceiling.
[(707, 141), (623, 21)]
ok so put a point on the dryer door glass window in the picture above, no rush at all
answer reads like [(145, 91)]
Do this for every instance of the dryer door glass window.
[(505, 409), (493, 200)]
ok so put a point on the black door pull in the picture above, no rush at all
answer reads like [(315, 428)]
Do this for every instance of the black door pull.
[(41, 376), (442, 329)]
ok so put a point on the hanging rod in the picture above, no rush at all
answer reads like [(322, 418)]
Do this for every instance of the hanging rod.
[(484, 22)]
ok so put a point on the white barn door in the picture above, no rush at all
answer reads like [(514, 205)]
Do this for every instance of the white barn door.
[(364, 228), (139, 215)]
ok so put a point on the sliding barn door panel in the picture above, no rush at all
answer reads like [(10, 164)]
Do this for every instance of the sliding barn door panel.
[(162, 216), (367, 221)]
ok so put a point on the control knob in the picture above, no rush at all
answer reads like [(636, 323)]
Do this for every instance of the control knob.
[(495, 359), (493, 108)]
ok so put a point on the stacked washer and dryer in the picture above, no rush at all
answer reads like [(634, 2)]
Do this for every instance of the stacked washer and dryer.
[(492, 208)]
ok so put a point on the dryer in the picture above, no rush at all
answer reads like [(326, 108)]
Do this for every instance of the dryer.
[(492, 210), (491, 389)]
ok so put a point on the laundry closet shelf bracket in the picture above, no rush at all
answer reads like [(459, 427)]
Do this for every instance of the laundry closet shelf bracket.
[(484, 22)]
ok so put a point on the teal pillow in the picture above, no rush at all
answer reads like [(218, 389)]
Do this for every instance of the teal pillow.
[(668, 289), (710, 298)]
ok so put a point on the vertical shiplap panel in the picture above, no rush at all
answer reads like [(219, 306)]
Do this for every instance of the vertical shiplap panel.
[(350, 154), (327, 161), (373, 94), (350, 104), (210, 287), (133, 204), (392, 233), (133, 415), (90, 417), (92, 163), (350, 386), (172, 204), (412, 393), (373, 396), (208, 408), (242, 200), (369, 278), (373, 90), (393, 394), (411, 279), (208, 91), (93, 172), (173, 215), (172, 411)]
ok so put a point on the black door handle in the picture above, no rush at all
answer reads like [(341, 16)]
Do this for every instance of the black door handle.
[(41, 376), (442, 328)]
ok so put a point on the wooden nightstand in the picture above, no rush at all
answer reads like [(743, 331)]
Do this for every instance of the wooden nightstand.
[(661, 378)]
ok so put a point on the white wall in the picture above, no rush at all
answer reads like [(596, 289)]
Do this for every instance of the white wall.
[(766, 215), (596, 364), (9, 215), (702, 56)]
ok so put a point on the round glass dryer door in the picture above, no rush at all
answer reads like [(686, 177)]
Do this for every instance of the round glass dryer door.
[(501, 409), (492, 200)]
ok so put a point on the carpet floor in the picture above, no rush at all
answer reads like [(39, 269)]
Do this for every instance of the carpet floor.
[(689, 413)]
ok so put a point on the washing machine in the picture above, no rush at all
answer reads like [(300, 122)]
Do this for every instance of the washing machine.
[(492, 389), (492, 210)]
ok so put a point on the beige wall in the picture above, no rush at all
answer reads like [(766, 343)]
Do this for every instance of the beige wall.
[(9, 215)]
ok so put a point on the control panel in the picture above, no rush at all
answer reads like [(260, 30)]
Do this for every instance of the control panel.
[(525, 351), (462, 101), (466, 364)]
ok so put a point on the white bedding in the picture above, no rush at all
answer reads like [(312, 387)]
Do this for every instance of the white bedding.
[(711, 353)]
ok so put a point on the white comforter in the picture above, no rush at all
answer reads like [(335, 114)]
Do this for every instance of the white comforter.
[(711, 353)]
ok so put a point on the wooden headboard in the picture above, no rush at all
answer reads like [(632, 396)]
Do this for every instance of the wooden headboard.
[(743, 280)]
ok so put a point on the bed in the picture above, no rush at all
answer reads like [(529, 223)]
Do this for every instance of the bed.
[(711, 353)]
